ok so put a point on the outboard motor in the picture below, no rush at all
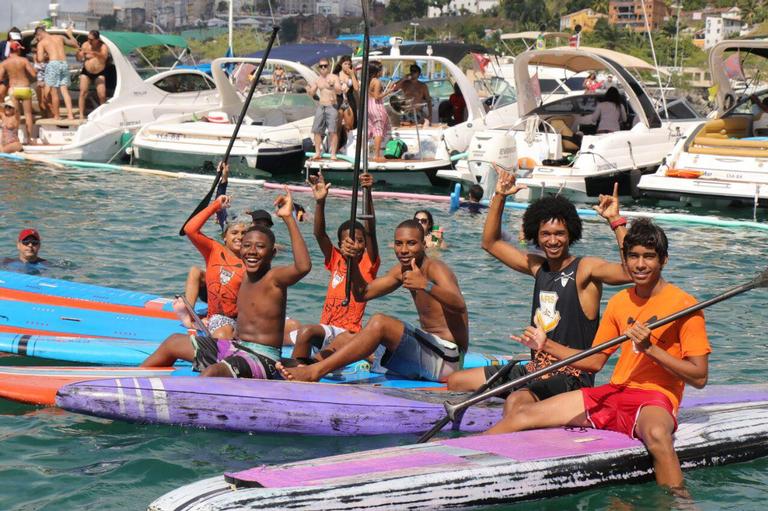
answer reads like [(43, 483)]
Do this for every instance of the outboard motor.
[(491, 146)]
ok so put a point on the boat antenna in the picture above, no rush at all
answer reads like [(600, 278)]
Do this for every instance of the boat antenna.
[(362, 138), (655, 62), (204, 203)]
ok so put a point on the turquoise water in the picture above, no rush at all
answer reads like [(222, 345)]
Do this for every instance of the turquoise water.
[(120, 229)]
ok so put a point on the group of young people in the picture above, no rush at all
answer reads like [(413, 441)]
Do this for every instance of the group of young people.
[(46, 76), (641, 399)]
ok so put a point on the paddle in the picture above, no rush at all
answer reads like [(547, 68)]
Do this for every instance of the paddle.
[(199, 325), (761, 280), (362, 137), (204, 203)]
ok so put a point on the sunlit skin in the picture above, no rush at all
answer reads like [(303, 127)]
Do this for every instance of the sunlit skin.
[(409, 246), (645, 267), (257, 252), (233, 237), (28, 250), (553, 239)]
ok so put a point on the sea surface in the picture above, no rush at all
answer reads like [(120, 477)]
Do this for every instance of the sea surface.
[(120, 229)]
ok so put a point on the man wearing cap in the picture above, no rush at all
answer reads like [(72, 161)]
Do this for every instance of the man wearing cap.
[(261, 217), (28, 244), (417, 96), (20, 72)]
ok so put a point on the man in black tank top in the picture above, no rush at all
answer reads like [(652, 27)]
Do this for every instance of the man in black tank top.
[(566, 299)]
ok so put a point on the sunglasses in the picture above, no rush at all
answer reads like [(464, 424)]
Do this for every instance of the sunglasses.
[(423, 220), (322, 66), (30, 243)]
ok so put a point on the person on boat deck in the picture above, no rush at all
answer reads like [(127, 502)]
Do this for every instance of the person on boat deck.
[(14, 34), (42, 91), (94, 54), (9, 136), (346, 102), (567, 288), (337, 320), (417, 98), (433, 238), (647, 384), (28, 260), (20, 72), (474, 196), (609, 114), (591, 84), (327, 86), (56, 71), (378, 118), (759, 115), (278, 78), (431, 352), (458, 105), (255, 350)]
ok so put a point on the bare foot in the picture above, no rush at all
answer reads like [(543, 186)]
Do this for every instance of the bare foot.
[(379, 158), (298, 373), (333, 157), (181, 311), (317, 157)]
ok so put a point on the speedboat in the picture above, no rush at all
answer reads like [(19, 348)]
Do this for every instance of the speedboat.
[(270, 138), (132, 100), (554, 147), (724, 161), (430, 148)]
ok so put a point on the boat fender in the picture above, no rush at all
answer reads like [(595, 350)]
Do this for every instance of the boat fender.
[(455, 197)]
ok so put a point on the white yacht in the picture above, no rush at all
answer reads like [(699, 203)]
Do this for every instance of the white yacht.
[(724, 161), (270, 138), (555, 148), (132, 100)]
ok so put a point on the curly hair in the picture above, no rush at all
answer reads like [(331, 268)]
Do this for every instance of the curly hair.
[(645, 233), (551, 208)]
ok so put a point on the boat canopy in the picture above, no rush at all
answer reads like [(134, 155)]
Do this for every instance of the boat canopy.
[(307, 54), (534, 35), (451, 51), (581, 63), (129, 41), (719, 69)]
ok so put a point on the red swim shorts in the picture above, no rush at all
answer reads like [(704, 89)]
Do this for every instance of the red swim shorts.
[(616, 408)]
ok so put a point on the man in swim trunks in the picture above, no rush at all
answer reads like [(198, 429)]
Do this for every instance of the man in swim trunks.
[(42, 91), (94, 54), (56, 71), (261, 301), (327, 86), (431, 352), (647, 385), (418, 97), (567, 289), (20, 72), (14, 34), (337, 320)]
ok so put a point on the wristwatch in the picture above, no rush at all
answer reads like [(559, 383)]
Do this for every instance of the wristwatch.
[(428, 288)]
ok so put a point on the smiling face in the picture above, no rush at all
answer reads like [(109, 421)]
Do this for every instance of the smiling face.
[(257, 251), (553, 238), (28, 249), (409, 245), (644, 265), (423, 219), (233, 237)]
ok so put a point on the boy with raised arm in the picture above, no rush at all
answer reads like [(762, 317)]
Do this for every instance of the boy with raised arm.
[(338, 320), (430, 352), (647, 385), (567, 289), (255, 350)]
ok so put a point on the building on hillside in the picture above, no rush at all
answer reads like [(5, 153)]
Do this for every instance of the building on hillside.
[(629, 14), (456, 7), (698, 17), (587, 18), (78, 20), (134, 18), (101, 7), (305, 7), (720, 28), (200, 9)]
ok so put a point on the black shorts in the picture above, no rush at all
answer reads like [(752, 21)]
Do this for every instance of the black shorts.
[(241, 361), (541, 388)]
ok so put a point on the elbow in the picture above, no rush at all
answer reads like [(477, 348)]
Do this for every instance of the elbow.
[(304, 267), (700, 382)]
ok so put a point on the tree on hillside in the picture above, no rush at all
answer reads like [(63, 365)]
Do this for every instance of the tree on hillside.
[(526, 12), (108, 22), (439, 4), (289, 30), (605, 35), (402, 10)]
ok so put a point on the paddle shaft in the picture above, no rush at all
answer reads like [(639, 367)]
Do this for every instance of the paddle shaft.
[(199, 325), (452, 409), (362, 137), (204, 203), (501, 373)]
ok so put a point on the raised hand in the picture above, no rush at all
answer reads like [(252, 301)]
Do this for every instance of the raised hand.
[(319, 186), (225, 201), (506, 182), (414, 278), (349, 248), (533, 337), (608, 205), (366, 180), (284, 204)]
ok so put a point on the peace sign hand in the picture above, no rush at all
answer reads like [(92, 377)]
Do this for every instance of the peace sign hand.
[(319, 186), (506, 182), (608, 205)]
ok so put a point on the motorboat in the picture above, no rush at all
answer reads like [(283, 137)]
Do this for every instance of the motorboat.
[(554, 147), (429, 148), (278, 119), (724, 161), (133, 101)]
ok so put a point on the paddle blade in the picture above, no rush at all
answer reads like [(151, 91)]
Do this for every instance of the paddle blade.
[(761, 280)]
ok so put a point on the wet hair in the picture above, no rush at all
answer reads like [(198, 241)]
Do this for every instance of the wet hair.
[(551, 208), (645, 233), (411, 224), (429, 218), (347, 226), (233, 223), (264, 230), (612, 95), (475, 192)]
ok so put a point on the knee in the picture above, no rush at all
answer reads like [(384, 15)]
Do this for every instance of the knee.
[(455, 381), (516, 403), (657, 438), (377, 322)]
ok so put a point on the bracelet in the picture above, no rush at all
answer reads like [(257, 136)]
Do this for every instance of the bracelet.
[(429, 287), (618, 223)]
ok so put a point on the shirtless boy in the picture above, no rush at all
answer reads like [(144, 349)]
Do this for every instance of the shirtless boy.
[(261, 301), (56, 71), (647, 385), (20, 72), (417, 94), (567, 290), (327, 86), (93, 54), (431, 352), (338, 321)]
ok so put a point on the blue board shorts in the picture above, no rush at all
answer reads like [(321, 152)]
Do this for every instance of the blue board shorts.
[(421, 355), (244, 359), (57, 74)]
